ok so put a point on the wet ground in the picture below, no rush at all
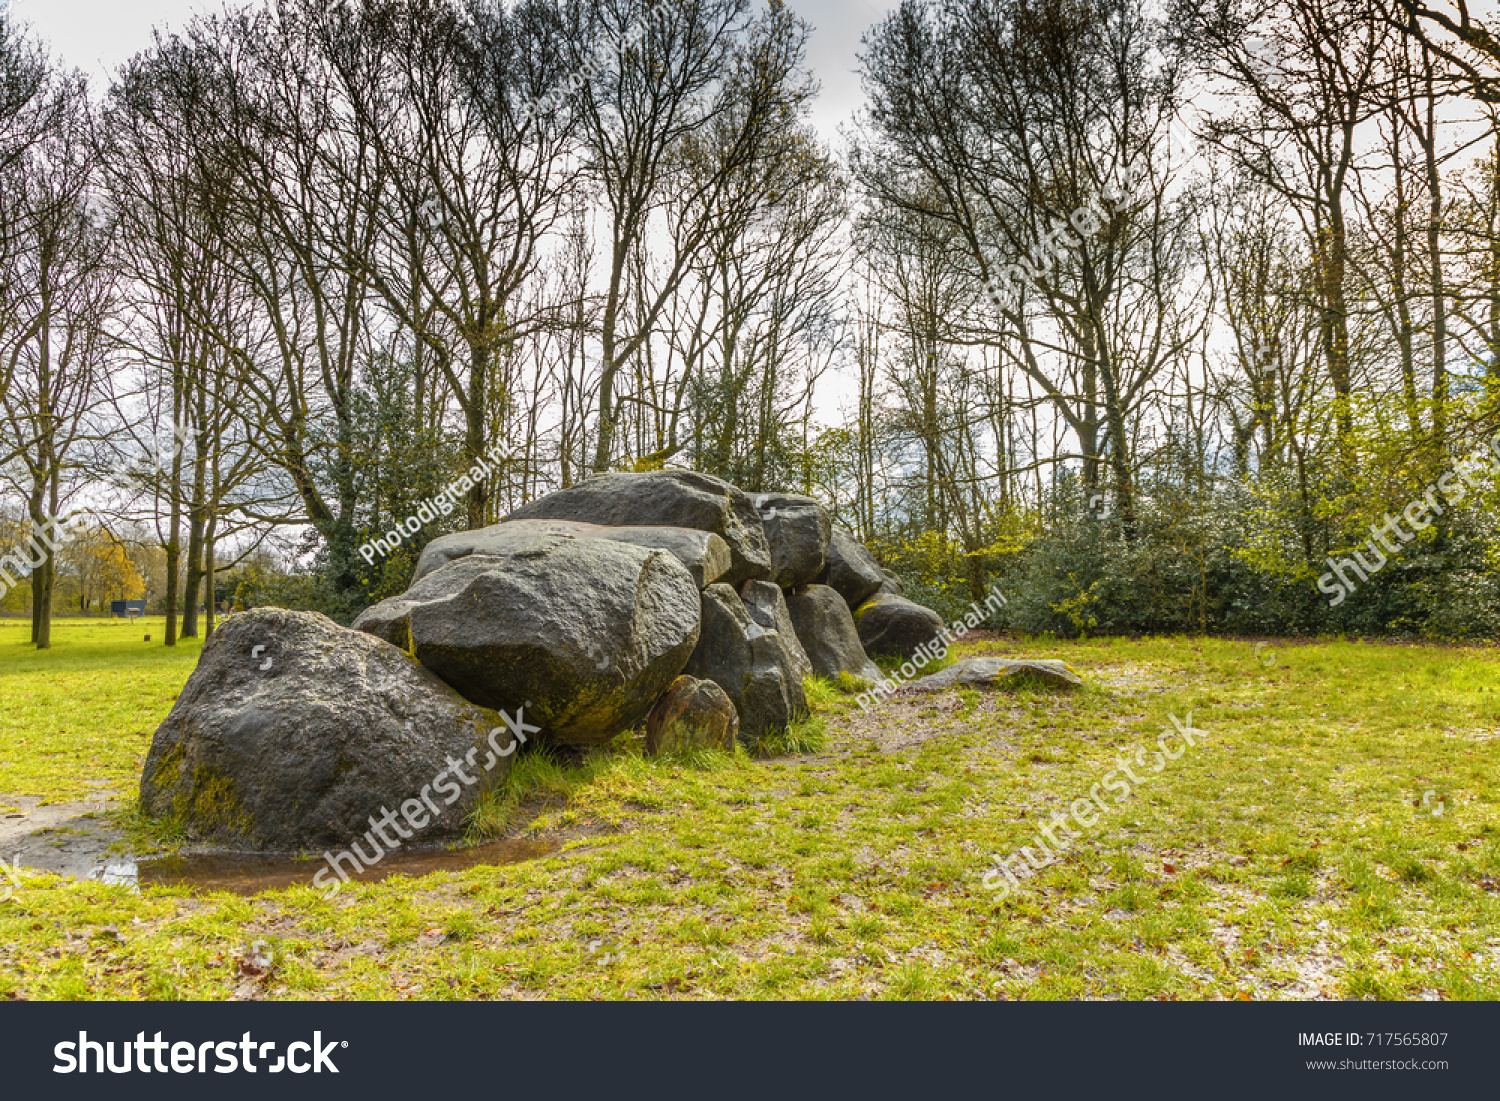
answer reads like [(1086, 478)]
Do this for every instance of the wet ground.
[(73, 839), (83, 840)]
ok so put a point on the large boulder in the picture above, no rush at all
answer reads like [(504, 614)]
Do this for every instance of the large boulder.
[(293, 731), (674, 498), (892, 583), (587, 633), (825, 627), (891, 625), (705, 555), (767, 605), (693, 714), (798, 530), (998, 673), (752, 665), (852, 570)]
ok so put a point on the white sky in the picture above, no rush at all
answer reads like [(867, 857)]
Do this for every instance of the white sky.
[(98, 35)]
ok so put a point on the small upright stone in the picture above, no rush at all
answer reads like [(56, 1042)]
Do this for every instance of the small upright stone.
[(825, 627), (692, 714), (767, 605), (751, 663)]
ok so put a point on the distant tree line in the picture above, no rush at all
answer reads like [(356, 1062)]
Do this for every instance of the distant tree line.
[(1277, 319), (1142, 315)]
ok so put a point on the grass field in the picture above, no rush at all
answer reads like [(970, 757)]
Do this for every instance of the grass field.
[(84, 711), (1333, 835)]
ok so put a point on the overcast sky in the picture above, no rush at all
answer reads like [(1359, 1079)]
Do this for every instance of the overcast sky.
[(97, 35)]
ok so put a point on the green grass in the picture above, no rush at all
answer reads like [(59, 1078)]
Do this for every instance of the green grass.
[(806, 735), (78, 718), (1290, 855)]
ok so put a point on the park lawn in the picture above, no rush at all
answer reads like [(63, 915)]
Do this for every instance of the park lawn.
[(77, 719), (1290, 855)]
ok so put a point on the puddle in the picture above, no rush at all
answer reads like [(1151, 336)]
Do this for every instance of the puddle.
[(251, 873), (81, 840)]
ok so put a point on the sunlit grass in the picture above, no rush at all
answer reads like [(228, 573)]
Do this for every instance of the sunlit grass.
[(1335, 836), (78, 718)]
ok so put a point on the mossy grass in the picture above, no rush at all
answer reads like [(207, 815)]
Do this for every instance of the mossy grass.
[(825, 695), (849, 684), (891, 665), (540, 776)]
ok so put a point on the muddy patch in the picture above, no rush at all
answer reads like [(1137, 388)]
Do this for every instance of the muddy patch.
[(83, 840), (79, 839)]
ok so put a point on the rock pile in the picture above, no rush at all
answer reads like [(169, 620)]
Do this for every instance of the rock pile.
[(590, 601), (669, 598)]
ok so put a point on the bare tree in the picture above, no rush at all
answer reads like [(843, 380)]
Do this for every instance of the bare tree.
[(58, 296), (697, 85), (1014, 126), (1309, 74)]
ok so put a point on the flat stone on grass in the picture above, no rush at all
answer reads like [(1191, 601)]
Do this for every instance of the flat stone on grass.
[(998, 673)]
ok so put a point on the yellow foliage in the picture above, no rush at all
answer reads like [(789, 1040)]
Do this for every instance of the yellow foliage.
[(100, 567)]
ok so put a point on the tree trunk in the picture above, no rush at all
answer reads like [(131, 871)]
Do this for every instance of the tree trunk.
[(208, 572)]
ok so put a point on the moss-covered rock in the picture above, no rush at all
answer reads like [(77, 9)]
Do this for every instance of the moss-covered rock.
[(300, 753), (693, 714), (999, 673), (893, 626)]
